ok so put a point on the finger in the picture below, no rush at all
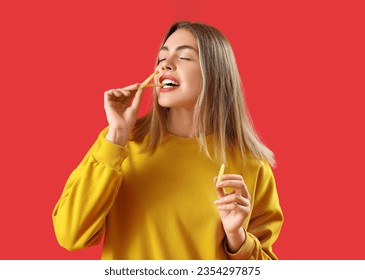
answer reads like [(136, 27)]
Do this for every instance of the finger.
[(115, 93), (124, 92), (136, 103), (236, 177), (132, 88), (236, 182), (109, 95), (233, 198), (109, 92), (219, 191), (233, 207)]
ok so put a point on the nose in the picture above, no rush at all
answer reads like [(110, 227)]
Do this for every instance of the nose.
[(167, 65)]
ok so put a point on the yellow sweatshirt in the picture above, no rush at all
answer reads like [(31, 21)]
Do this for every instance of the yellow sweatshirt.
[(161, 206)]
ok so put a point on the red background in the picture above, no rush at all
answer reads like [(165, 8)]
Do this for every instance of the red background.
[(302, 66)]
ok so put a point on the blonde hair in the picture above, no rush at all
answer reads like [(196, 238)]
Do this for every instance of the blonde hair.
[(220, 107)]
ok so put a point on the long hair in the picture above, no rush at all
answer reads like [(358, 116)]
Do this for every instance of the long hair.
[(220, 108)]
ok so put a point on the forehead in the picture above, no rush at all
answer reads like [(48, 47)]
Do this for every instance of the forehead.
[(181, 37)]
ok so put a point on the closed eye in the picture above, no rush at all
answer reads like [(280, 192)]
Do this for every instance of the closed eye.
[(184, 58), (160, 60)]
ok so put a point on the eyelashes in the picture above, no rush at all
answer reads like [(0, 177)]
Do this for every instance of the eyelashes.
[(160, 60), (181, 58)]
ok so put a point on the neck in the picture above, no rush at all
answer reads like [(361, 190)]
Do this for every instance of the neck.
[(180, 123)]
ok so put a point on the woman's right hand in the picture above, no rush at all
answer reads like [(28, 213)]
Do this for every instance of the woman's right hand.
[(121, 108)]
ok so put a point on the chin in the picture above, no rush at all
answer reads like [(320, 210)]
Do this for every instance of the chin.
[(164, 103), (170, 102)]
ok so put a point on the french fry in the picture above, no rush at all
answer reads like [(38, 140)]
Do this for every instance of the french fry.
[(154, 85), (147, 80), (221, 172)]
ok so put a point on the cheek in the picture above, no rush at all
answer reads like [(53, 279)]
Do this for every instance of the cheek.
[(193, 88), (196, 79)]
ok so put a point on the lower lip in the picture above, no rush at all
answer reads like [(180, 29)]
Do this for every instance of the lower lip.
[(162, 89)]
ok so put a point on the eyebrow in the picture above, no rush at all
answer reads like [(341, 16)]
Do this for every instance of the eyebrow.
[(182, 47)]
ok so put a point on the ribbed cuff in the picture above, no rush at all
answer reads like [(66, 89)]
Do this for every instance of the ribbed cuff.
[(245, 252), (111, 154)]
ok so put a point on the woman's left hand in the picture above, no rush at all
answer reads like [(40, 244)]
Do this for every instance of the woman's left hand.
[(233, 207)]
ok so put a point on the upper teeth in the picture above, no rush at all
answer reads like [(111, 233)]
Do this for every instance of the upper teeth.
[(167, 81)]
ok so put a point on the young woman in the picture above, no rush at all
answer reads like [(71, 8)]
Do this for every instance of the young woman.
[(149, 185)]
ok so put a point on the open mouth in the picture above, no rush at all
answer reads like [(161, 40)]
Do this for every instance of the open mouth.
[(169, 83)]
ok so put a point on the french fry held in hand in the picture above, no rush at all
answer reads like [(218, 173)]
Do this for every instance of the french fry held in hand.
[(221, 172), (147, 80), (154, 85)]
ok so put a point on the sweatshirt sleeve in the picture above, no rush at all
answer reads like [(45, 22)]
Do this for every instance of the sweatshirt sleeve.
[(89, 193), (265, 222)]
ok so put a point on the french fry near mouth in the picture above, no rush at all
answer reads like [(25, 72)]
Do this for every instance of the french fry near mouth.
[(154, 85), (148, 79)]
